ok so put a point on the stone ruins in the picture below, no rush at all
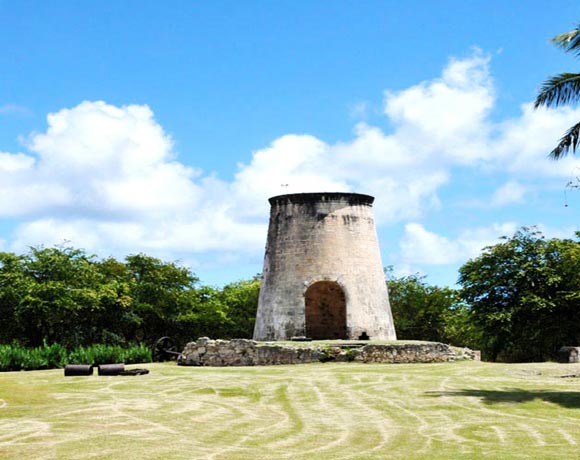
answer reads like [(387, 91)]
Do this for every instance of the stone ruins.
[(243, 352)]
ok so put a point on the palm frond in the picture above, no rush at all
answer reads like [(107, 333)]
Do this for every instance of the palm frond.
[(559, 90), (562, 89), (569, 41), (568, 142)]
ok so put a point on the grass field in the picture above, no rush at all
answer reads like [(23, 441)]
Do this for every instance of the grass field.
[(463, 410)]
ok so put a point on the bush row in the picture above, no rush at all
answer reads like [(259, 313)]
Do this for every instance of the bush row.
[(15, 357)]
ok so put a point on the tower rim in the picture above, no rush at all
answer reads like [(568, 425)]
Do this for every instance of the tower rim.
[(314, 197)]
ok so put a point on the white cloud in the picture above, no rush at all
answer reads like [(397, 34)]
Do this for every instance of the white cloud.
[(508, 193), (359, 110), (420, 246), (446, 117), (523, 144), (97, 158), (291, 164), (12, 163), (437, 123), (208, 233), (108, 177), (371, 163), (8, 109)]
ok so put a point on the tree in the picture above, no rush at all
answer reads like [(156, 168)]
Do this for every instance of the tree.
[(241, 298), (118, 318), (162, 291), (524, 294), (424, 312), (206, 316), (63, 295), (563, 89), (51, 294), (12, 286), (229, 312)]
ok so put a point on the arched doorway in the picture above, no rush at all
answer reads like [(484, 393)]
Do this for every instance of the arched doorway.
[(325, 311)]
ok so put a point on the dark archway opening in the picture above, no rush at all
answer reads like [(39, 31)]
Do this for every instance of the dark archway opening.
[(325, 311)]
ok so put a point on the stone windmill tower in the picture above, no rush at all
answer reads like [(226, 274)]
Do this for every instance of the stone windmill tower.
[(323, 275)]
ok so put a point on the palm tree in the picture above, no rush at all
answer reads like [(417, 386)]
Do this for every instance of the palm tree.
[(563, 89)]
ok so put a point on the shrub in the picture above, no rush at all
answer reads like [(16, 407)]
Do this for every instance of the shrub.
[(137, 354), (12, 357), (55, 355), (15, 357), (108, 354)]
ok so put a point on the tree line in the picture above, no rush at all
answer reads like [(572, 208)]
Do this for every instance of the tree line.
[(519, 300), (65, 295)]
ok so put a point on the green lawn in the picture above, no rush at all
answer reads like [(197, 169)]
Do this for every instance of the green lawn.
[(462, 410)]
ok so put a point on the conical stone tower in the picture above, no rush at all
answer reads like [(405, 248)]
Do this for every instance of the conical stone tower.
[(323, 276)]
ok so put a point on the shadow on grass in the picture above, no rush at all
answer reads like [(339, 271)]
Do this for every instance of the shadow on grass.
[(569, 399)]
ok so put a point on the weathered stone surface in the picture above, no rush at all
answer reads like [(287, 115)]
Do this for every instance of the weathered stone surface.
[(242, 352), (474, 355), (407, 353), (323, 274)]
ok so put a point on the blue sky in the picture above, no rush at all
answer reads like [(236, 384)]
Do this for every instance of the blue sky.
[(164, 127)]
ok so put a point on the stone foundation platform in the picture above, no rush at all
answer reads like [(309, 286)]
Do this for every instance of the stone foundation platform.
[(243, 352)]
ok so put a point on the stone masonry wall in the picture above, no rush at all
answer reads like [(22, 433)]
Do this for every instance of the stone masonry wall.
[(242, 352), (322, 237)]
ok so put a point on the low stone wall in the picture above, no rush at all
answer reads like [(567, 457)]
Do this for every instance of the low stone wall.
[(242, 352), (412, 353)]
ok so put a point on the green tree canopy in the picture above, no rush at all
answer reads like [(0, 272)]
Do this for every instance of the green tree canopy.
[(525, 296), (425, 312), (64, 295)]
